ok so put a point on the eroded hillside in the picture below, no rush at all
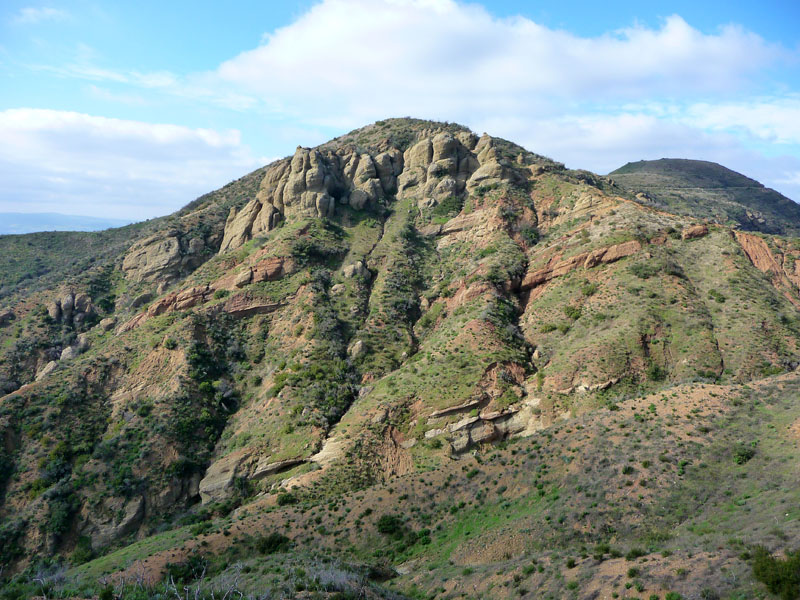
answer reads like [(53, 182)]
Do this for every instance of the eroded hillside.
[(393, 303)]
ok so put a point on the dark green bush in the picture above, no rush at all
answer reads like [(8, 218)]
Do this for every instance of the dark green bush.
[(189, 570), (742, 453), (286, 498), (635, 553), (390, 525), (272, 543), (781, 576)]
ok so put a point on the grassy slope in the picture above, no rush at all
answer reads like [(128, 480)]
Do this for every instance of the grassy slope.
[(659, 475), (711, 191)]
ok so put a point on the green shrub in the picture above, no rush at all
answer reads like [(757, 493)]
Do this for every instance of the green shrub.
[(187, 571), (743, 453), (781, 576), (83, 551), (530, 235), (656, 372), (447, 206), (590, 289), (272, 543), (285, 498), (573, 312), (635, 553), (390, 525), (107, 593)]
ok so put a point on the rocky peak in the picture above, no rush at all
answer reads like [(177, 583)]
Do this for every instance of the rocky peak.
[(439, 164)]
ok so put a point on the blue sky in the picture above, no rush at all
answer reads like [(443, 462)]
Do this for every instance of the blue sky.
[(131, 110)]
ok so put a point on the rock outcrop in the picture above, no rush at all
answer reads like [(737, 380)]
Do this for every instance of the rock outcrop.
[(587, 259), (438, 166), (164, 257), (6, 316), (71, 308), (694, 231), (784, 268)]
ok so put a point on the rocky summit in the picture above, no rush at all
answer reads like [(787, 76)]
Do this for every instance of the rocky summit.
[(412, 362)]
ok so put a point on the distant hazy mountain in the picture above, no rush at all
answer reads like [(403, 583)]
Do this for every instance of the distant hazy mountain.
[(33, 222)]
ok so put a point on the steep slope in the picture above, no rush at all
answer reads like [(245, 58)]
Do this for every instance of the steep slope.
[(710, 191), (401, 301)]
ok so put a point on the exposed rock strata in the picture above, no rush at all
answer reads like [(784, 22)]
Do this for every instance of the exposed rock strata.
[(587, 259)]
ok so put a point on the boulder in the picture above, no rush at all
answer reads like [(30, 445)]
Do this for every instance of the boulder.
[(694, 231), (109, 530), (164, 257), (358, 199), (265, 467), (238, 227), (46, 370), (82, 303), (357, 349), (357, 269), (6, 316), (141, 300), (67, 306), (108, 323), (54, 310), (69, 353), (83, 343), (243, 278), (218, 480)]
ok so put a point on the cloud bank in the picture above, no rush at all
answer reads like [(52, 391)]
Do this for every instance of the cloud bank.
[(81, 164), (591, 102), (349, 60)]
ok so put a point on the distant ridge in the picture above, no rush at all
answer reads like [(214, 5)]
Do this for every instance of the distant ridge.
[(708, 190), (17, 223)]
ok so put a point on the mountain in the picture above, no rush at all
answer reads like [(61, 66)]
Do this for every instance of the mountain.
[(710, 191), (410, 362), (16, 223)]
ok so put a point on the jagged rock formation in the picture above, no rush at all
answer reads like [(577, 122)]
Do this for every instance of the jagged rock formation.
[(310, 184)]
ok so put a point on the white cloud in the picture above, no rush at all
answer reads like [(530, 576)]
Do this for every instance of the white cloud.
[(348, 61), (32, 15), (591, 102), (81, 164), (775, 120)]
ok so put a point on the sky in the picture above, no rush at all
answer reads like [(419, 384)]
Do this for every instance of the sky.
[(132, 110)]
